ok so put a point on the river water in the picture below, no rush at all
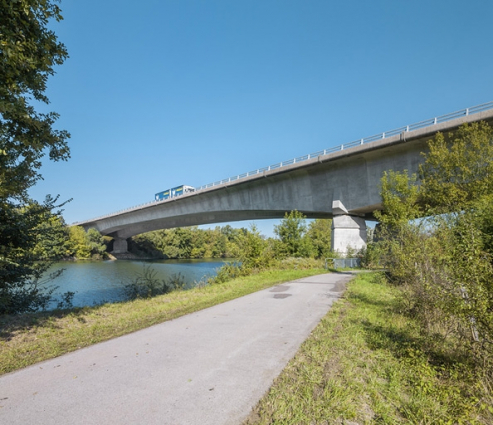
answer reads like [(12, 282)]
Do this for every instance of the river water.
[(100, 282)]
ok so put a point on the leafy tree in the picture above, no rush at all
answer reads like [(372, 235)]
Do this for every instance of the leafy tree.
[(438, 237), (28, 53), (458, 169), (79, 247), (400, 195), (319, 232), (52, 239), (254, 250), (96, 243), (23, 230), (291, 232), (84, 245), (190, 242)]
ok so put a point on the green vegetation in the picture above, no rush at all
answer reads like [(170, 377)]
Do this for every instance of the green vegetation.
[(291, 233), (84, 245), (30, 338), (415, 344), (295, 238), (369, 362), (189, 242), (147, 285), (29, 52), (23, 259), (443, 262)]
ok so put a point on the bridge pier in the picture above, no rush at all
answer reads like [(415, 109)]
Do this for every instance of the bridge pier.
[(120, 246), (347, 231)]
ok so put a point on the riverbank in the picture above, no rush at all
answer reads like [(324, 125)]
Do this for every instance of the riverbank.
[(30, 338), (368, 363), (205, 368)]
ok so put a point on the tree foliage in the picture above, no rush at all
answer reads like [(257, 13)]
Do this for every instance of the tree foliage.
[(320, 233), (458, 169), (84, 245), (29, 243), (438, 237), (190, 242), (52, 239), (292, 234), (29, 51)]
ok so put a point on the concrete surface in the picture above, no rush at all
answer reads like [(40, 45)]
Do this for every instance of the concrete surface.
[(209, 367), (348, 232), (350, 177)]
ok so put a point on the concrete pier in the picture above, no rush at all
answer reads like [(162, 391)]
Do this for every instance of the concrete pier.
[(120, 246), (348, 232)]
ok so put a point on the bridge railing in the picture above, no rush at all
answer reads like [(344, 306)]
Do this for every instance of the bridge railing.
[(422, 124)]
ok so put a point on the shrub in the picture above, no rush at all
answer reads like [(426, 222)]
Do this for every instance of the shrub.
[(147, 285)]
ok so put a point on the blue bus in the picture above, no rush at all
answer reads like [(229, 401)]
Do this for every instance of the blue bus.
[(175, 191)]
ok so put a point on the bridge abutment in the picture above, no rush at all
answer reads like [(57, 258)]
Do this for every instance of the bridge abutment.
[(120, 246)]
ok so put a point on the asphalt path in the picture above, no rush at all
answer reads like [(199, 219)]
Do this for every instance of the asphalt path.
[(209, 367)]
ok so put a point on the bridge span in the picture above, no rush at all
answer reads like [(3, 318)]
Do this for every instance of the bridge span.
[(341, 183)]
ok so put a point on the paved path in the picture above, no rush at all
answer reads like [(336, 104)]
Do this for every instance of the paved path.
[(209, 367)]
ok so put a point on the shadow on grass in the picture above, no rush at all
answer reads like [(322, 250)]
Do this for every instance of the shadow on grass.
[(11, 325), (403, 342), (386, 305)]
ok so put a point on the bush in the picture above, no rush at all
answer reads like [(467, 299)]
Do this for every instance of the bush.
[(147, 285)]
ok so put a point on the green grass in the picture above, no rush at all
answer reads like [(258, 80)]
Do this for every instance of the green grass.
[(30, 338), (367, 363)]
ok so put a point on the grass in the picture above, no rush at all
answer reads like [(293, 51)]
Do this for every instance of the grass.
[(30, 338), (368, 363)]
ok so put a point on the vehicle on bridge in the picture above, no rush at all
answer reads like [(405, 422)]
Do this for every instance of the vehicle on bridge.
[(175, 191)]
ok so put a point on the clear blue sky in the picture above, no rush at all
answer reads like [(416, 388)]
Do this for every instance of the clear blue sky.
[(160, 93)]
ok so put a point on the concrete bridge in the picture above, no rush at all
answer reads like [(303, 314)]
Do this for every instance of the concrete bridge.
[(341, 183)]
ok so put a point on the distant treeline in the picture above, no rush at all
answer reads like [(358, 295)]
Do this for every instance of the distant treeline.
[(294, 238)]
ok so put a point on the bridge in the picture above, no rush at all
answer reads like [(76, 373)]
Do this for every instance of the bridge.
[(341, 183)]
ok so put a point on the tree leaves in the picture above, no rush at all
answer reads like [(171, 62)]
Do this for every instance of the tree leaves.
[(437, 236), (28, 53)]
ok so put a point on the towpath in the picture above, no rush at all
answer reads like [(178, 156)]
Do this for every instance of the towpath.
[(209, 367)]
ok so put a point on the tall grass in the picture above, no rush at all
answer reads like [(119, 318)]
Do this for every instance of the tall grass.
[(368, 363)]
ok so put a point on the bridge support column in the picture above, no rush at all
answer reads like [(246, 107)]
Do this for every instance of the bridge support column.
[(120, 246), (348, 232)]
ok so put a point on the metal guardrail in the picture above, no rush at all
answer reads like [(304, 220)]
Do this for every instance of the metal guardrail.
[(422, 124)]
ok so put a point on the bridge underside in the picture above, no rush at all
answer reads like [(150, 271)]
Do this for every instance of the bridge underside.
[(347, 230), (344, 185)]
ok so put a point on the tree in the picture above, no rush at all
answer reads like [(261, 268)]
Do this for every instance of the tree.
[(79, 248), (438, 236), (28, 53), (291, 232), (85, 245), (254, 250), (319, 232), (22, 269), (458, 169), (52, 239)]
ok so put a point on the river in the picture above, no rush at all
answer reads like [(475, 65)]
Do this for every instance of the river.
[(100, 282)]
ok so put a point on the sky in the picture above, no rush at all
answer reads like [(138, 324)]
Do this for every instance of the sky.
[(160, 93)]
